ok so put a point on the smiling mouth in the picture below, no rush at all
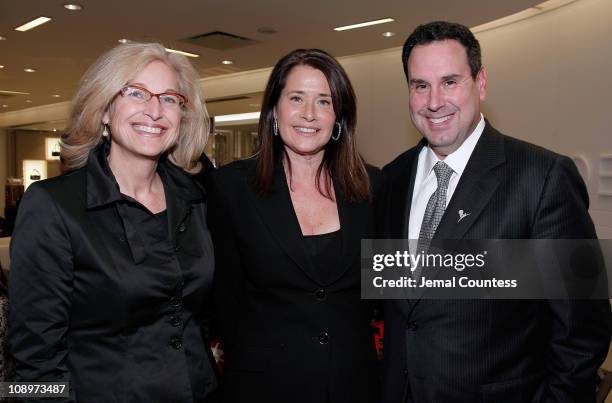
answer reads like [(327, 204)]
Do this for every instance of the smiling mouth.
[(437, 121), (307, 130), (147, 129)]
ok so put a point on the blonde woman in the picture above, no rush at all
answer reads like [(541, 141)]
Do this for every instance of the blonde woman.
[(111, 263)]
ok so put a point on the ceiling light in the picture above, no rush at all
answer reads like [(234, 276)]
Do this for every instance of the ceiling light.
[(123, 40), (32, 24), (54, 129), (72, 7), (3, 92), (2, 38), (237, 117), (388, 34), (56, 95), (180, 52), (29, 70), (227, 62), (5, 106), (1, 66), (364, 24), (28, 101)]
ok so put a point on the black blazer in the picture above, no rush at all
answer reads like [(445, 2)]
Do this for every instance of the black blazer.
[(287, 335), (90, 305), (495, 350)]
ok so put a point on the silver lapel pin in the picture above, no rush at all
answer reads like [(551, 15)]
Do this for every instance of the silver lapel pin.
[(462, 215)]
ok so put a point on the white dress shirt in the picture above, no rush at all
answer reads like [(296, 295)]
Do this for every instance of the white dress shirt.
[(426, 183)]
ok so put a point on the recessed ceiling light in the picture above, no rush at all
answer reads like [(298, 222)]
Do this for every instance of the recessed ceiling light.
[(28, 101), (29, 70), (32, 24), (227, 62), (1, 66), (388, 34), (54, 129), (56, 95), (72, 7), (180, 52), (5, 106), (2, 38), (364, 24), (123, 40)]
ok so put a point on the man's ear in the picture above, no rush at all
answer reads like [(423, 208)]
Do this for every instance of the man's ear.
[(481, 82)]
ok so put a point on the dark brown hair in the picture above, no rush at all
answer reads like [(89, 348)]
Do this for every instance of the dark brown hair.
[(341, 159), (442, 31)]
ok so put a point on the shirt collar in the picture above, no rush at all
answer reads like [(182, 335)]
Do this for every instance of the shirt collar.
[(458, 159), (102, 187)]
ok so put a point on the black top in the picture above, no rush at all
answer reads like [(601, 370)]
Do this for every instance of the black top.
[(153, 230), (323, 250), (106, 298)]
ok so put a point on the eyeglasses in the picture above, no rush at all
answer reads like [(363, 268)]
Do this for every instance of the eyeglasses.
[(141, 95)]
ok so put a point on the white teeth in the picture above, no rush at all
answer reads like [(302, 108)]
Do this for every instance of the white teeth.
[(305, 129), (148, 129), (439, 120)]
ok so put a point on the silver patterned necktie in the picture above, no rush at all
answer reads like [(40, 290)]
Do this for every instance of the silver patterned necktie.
[(434, 210)]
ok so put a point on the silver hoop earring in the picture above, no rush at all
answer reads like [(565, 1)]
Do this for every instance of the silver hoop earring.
[(105, 130), (275, 127), (336, 137)]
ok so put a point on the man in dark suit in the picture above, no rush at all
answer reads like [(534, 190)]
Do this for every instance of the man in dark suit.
[(494, 187)]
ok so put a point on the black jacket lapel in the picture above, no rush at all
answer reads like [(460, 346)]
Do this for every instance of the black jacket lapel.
[(476, 186), (401, 188), (276, 210)]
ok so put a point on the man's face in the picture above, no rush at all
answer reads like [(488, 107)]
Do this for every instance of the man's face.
[(444, 98)]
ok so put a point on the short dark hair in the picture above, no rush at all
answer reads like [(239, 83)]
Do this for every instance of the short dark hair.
[(440, 31), (341, 158)]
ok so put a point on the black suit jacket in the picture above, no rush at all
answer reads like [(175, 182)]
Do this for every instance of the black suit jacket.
[(91, 305), (288, 335), (495, 350)]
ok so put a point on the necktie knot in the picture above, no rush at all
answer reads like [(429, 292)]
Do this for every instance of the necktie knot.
[(443, 173)]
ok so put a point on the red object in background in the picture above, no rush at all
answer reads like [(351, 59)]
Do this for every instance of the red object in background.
[(379, 333)]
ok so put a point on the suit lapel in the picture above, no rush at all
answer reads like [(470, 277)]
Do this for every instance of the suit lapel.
[(475, 188), (478, 182), (402, 188), (277, 213)]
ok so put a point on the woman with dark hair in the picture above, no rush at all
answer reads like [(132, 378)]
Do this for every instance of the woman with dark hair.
[(286, 227)]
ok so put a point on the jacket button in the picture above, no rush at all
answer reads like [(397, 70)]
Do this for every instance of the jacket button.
[(323, 338), (412, 326), (405, 372), (182, 227), (176, 321), (320, 294), (176, 343), (177, 248)]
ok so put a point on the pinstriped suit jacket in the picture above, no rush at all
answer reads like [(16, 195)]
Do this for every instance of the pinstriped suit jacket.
[(495, 350)]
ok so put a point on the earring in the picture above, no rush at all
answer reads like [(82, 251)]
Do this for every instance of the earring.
[(105, 130), (275, 127), (336, 137)]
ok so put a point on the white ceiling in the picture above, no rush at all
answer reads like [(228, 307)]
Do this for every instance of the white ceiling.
[(61, 49)]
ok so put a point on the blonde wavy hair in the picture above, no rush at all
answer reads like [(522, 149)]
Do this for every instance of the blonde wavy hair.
[(101, 84)]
